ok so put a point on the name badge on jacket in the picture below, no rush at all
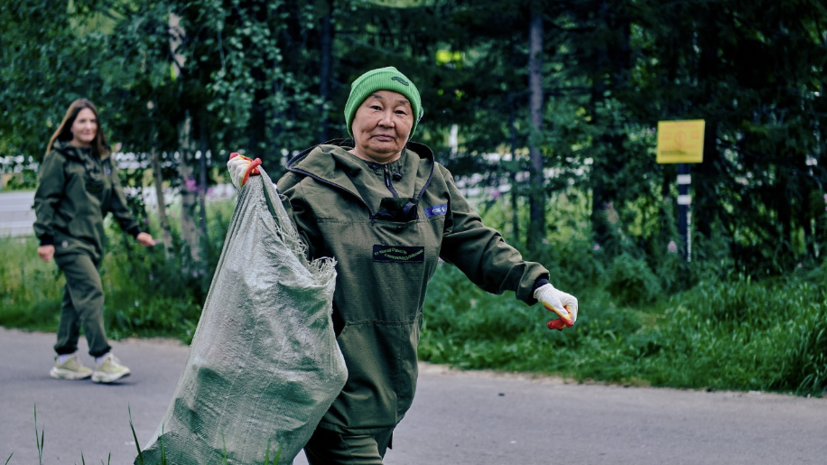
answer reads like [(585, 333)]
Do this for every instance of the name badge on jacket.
[(436, 210)]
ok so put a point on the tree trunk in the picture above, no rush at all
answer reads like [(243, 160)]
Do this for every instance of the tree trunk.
[(202, 173), (706, 204), (189, 230), (325, 65), (158, 180), (203, 146), (191, 262), (176, 38), (537, 226), (612, 58), (515, 217)]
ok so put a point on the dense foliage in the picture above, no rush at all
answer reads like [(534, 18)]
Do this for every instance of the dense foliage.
[(182, 82), (731, 334), (735, 335), (272, 77)]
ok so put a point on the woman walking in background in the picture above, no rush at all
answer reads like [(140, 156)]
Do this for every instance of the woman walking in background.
[(78, 185)]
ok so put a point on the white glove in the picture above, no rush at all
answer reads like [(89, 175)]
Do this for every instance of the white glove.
[(238, 166), (564, 305)]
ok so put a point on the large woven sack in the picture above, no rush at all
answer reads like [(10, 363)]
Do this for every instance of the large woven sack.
[(264, 365)]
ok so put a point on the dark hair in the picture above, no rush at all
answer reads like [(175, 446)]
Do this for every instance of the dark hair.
[(64, 132)]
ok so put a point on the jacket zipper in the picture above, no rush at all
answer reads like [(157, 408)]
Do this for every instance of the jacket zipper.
[(388, 182)]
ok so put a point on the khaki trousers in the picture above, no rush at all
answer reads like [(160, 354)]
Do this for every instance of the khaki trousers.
[(82, 306), (331, 448)]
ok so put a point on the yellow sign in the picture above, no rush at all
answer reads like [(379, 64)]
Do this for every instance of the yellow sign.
[(681, 141), (443, 57)]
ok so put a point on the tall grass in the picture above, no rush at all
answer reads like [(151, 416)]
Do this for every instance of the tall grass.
[(145, 294), (737, 334), (40, 440), (30, 289), (39, 443), (646, 317)]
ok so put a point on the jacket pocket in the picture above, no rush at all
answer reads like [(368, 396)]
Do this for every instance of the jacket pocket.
[(382, 371)]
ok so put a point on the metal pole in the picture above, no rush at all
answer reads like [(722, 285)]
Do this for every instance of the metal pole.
[(684, 218)]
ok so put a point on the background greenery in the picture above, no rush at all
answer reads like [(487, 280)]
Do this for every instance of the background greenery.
[(180, 83), (730, 333)]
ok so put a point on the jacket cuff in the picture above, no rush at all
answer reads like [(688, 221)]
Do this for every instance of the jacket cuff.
[(528, 282), (47, 239), (539, 283), (134, 231)]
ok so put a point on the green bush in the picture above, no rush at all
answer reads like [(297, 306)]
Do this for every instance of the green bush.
[(737, 334), (30, 289), (726, 331), (467, 327), (631, 281), (745, 335), (146, 294)]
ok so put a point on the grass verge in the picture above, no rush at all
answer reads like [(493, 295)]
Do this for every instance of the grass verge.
[(638, 324), (738, 334), (139, 459)]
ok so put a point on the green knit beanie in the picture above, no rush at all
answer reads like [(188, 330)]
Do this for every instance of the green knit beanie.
[(382, 79)]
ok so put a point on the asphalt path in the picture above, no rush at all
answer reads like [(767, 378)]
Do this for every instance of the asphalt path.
[(475, 418)]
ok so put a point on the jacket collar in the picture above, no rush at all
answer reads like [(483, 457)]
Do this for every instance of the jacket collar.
[(71, 151), (331, 163)]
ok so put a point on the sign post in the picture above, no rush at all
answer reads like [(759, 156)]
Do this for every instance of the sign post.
[(682, 142)]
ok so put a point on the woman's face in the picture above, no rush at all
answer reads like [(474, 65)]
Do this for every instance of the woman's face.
[(85, 128), (381, 126)]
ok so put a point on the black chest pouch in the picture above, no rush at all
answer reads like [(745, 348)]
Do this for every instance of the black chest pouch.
[(397, 209)]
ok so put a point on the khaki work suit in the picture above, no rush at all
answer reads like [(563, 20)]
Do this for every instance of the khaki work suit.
[(387, 226), (75, 192)]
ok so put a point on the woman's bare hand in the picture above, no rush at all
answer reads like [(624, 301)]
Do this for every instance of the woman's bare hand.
[(145, 239), (46, 252)]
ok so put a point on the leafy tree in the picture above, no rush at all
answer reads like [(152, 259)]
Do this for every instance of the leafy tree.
[(45, 66), (269, 79)]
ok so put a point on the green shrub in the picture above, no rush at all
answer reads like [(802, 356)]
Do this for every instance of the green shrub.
[(30, 289), (736, 334), (727, 330), (146, 294), (467, 327), (631, 281), (745, 335)]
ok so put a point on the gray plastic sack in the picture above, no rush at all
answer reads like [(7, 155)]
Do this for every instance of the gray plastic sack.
[(264, 365)]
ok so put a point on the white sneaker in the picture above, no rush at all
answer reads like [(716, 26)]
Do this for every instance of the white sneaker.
[(70, 369), (109, 370)]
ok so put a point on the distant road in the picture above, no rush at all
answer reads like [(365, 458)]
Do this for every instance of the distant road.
[(16, 214), (458, 418)]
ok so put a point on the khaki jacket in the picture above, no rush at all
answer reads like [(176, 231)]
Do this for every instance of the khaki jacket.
[(75, 192), (387, 226)]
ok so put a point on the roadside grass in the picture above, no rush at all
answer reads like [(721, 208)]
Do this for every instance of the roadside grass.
[(145, 294), (40, 436), (645, 319), (738, 334), (30, 289)]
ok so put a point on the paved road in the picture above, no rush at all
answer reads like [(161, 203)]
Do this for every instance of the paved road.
[(457, 418), (16, 214)]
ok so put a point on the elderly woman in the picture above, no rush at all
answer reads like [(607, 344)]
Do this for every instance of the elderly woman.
[(387, 212)]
